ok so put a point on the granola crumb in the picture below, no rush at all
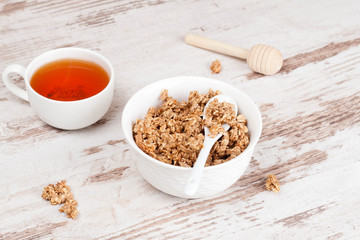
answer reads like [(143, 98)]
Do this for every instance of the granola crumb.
[(215, 67), (58, 194), (70, 208), (272, 183)]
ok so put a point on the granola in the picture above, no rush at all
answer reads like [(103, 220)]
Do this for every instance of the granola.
[(60, 193), (70, 208), (174, 133), (215, 66), (272, 183), (217, 114)]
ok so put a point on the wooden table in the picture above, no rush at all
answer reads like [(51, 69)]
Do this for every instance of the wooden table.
[(310, 110)]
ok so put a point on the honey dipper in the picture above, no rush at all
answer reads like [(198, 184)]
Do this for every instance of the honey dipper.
[(261, 58)]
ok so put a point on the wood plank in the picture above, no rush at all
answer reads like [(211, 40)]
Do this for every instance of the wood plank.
[(310, 111)]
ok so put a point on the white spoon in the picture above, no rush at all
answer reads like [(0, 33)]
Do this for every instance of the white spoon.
[(194, 179)]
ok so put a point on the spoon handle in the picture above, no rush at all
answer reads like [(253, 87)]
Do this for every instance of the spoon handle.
[(216, 46), (193, 181)]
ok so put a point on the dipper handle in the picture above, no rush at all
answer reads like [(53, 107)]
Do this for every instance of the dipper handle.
[(216, 46), (261, 58)]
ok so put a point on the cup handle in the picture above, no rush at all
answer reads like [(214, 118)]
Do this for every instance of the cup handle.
[(9, 83)]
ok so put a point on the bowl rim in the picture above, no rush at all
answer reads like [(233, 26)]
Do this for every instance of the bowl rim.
[(131, 141)]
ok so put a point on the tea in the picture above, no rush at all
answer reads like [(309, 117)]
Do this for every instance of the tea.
[(69, 79)]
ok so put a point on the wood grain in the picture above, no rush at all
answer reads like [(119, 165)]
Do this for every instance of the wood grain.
[(114, 174), (36, 232), (310, 111)]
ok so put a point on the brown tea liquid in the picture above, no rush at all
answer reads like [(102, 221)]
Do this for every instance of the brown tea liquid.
[(69, 80)]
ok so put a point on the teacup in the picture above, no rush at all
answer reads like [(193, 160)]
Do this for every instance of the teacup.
[(69, 115)]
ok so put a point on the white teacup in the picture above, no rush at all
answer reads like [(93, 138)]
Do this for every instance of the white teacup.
[(67, 115)]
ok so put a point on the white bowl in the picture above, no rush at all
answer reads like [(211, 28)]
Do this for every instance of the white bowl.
[(171, 179)]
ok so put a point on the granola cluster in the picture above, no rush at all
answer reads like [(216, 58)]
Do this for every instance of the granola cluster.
[(174, 133), (60, 193), (70, 208), (272, 183), (215, 66), (218, 113)]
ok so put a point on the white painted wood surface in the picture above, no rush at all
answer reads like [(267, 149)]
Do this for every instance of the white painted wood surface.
[(311, 116)]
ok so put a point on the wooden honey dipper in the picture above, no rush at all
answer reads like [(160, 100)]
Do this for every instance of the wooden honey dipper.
[(261, 58)]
